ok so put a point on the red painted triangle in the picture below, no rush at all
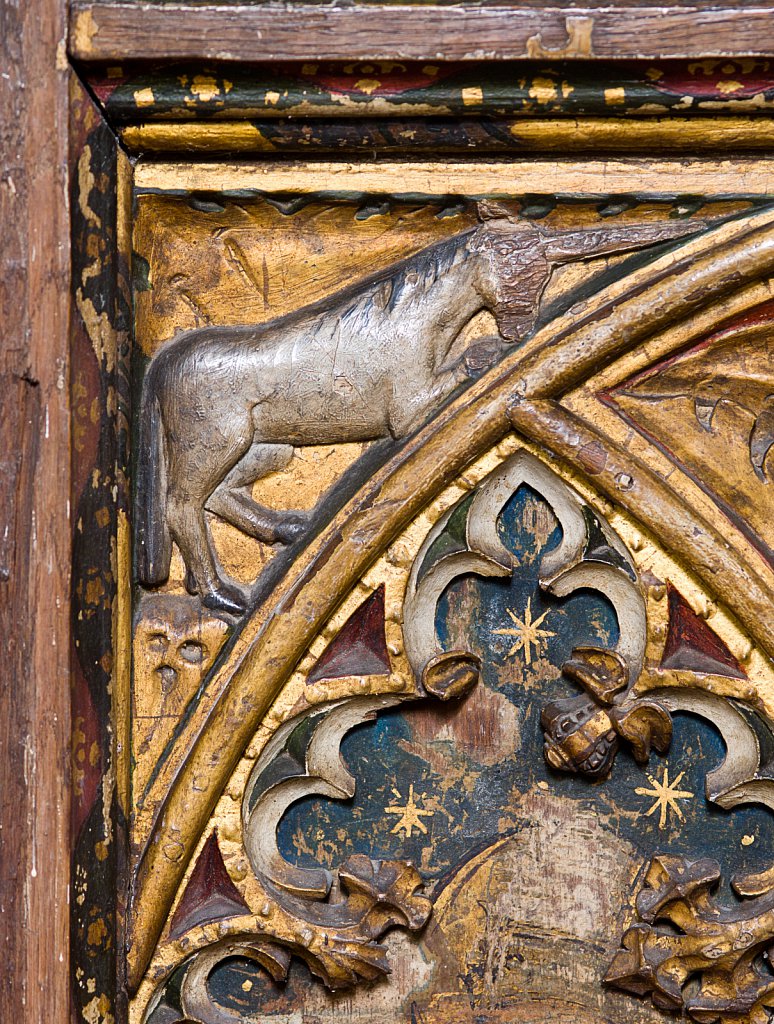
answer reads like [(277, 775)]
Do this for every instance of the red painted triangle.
[(359, 648), (210, 894), (692, 646)]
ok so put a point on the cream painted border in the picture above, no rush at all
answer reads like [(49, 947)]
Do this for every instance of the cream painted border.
[(710, 176)]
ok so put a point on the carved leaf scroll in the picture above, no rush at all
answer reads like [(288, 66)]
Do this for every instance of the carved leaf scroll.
[(731, 367), (692, 954)]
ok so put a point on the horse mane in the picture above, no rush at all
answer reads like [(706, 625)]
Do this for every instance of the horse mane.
[(435, 261), (420, 271)]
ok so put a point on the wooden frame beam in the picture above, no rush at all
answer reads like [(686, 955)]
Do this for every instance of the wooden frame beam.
[(102, 31)]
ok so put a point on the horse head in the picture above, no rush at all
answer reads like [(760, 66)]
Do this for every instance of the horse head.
[(512, 270), (516, 257)]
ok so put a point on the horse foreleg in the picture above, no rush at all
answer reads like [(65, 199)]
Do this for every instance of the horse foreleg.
[(480, 356), (238, 507), (233, 501), (483, 353)]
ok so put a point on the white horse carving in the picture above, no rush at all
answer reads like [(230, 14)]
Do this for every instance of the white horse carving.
[(224, 406)]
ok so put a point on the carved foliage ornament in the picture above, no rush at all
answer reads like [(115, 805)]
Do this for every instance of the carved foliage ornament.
[(688, 950), (282, 910), (691, 953)]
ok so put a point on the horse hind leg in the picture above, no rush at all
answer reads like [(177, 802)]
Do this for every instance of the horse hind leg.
[(191, 480), (189, 530), (232, 499)]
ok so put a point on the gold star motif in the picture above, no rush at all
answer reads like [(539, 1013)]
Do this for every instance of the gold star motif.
[(528, 632), (667, 794), (410, 813)]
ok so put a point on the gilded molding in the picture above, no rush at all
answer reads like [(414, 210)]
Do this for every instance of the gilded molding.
[(560, 135)]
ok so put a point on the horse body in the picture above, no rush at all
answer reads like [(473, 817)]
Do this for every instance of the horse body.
[(223, 406)]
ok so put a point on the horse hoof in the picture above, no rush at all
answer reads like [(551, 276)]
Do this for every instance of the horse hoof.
[(225, 600), (290, 530)]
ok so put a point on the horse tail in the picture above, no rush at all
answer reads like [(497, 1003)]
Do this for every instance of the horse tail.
[(153, 539)]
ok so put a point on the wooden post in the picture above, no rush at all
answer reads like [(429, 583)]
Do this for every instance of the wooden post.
[(34, 514)]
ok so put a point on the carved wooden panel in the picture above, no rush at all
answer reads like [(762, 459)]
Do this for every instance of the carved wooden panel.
[(450, 590)]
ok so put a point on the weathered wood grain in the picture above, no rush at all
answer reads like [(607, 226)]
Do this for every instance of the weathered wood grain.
[(115, 31), (99, 354), (34, 515)]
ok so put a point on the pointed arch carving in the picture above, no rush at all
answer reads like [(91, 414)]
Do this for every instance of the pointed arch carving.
[(672, 297)]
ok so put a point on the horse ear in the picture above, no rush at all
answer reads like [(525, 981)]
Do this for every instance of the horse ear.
[(497, 209)]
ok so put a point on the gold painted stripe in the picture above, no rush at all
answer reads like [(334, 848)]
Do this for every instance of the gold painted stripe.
[(122, 655), (121, 675), (615, 134), (240, 136), (709, 176)]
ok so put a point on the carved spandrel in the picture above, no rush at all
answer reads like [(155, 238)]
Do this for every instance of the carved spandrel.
[(637, 720), (711, 409)]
